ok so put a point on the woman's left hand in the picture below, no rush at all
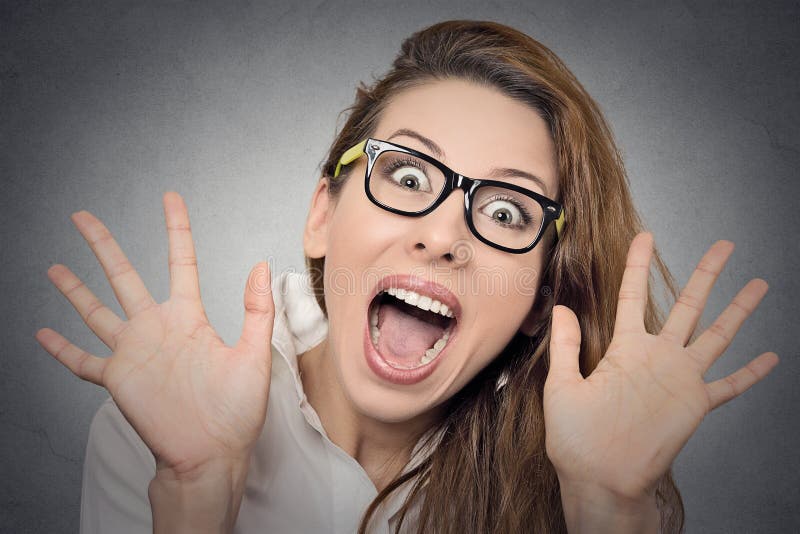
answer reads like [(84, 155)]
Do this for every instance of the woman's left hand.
[(618, 430)]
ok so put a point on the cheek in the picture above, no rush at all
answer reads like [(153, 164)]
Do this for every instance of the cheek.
[(510, 285), (358, 227), (359, 234), (502, 302), (526, 282)]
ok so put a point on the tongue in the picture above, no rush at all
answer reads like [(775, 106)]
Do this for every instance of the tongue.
[(403, 336)]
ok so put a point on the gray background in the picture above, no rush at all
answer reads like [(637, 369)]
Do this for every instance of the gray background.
[(106, 105)]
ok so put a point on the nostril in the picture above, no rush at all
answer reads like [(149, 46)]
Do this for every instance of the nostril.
[(419, 246), (448, 256)]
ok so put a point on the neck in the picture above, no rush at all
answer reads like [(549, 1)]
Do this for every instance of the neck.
[(381, 448)]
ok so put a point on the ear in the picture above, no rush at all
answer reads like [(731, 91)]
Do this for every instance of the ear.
[(315, 236)]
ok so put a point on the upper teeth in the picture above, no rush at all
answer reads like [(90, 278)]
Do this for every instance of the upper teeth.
[(420, 301)]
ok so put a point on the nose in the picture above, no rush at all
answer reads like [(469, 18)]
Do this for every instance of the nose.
[(442, 235)]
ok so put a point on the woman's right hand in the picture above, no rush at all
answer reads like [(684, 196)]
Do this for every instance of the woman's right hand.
[(193, 400)]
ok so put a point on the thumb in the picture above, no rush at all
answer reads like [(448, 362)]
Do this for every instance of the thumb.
[(565, 346), (259, 312)]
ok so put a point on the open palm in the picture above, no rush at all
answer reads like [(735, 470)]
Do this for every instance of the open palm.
[(191, 398), (620, 428)]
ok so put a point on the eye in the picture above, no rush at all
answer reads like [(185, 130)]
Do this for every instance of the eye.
[(408, 174), (507, 211)]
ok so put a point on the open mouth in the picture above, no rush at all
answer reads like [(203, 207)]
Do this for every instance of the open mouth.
[(409, 330)]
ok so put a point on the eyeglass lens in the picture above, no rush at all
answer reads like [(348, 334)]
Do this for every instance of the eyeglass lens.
[(503, 216)]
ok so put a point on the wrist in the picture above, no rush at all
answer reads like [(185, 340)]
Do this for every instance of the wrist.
[(204, 500), (590, 508)]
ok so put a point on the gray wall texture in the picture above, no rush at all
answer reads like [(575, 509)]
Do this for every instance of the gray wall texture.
[(105, 105)]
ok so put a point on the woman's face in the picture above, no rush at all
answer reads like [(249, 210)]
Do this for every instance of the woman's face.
[(477, 130)]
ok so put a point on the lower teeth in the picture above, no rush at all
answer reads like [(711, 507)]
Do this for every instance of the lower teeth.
[(426, 358)]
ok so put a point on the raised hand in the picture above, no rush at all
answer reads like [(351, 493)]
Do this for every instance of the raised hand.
[(192, 399), (619, 429)]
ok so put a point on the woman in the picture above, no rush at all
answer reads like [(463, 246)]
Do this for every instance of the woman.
[(447, 371)]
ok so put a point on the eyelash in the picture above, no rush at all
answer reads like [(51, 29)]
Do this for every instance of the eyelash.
[(396, 164)]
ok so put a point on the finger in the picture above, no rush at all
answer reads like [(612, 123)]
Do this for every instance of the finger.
[(722, 390), (565, 346), (633, 290), (259, 312), (716, 338), (688, 308), (131, 292), (183, 278), (82, 364), (102, 321)]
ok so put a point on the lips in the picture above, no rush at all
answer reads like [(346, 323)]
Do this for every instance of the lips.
[(425, 288)]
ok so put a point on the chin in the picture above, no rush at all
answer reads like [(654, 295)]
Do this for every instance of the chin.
[(377, 400)]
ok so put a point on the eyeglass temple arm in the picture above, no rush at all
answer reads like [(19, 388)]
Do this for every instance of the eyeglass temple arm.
[(560, 223), (350, 155)]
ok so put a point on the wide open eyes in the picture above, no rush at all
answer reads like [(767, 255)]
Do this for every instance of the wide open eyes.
[(509, 218), (499, 214), (506, 210), (405, 182), (407, 173)]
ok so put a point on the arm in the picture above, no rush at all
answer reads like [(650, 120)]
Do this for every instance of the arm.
[(600, 512), (203, 502), (123, 490)]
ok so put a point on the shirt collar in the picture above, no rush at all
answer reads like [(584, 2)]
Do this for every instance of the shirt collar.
[(299, 322)]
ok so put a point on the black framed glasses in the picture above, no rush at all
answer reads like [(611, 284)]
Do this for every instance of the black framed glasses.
[(407, 182)]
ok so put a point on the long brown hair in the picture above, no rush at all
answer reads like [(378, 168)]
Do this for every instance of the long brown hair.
[(489, 471)]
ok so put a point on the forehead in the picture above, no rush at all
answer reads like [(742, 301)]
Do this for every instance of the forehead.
[(478, 129)]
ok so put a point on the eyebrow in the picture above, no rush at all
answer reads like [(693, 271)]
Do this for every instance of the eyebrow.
[(504, 172)]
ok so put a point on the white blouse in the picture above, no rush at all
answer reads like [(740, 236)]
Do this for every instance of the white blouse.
[(299, 481)]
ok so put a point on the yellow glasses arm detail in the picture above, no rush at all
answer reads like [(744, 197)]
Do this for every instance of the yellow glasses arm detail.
[(350, 155), (560, 222)]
